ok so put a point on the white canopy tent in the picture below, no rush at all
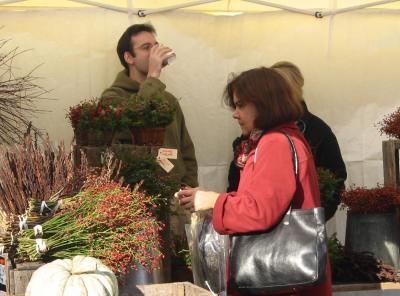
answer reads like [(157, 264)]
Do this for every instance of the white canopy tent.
[(350, 62), (318, 8)]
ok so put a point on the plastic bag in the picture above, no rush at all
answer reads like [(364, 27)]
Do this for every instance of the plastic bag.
[(209, 252)]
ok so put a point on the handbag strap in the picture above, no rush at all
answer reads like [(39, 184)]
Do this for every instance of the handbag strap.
[(295, 161), (295, 158)]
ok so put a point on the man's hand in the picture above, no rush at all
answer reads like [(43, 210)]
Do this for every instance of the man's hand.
[(158, 53), (194, 199)]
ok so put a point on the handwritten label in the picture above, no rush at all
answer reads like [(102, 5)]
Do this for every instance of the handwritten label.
[(168, 153), (165, 164)]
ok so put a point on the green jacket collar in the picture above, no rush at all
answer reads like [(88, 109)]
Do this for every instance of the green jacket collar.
[(123, 81)]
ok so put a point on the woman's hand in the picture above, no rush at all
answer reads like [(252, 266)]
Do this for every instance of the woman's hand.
[(194, 199)]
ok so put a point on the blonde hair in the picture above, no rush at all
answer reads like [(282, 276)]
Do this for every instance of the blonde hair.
[(293, 76)]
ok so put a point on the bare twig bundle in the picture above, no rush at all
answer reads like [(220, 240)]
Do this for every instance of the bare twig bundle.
[(35, 172), (18, 95)]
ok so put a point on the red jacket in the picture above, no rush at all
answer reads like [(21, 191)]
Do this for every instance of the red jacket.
[(267, 185)]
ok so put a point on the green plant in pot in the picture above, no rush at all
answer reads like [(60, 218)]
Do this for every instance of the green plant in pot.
[(143, 167), (147, 119), (95, 122), (372, 222), (330, 189)]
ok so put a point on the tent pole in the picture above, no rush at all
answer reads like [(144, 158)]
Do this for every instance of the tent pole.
[(10, 1), (173, 7), (351, 8), (110, 7), (284, 7), (130, 10), (143, 13), (320, 13)]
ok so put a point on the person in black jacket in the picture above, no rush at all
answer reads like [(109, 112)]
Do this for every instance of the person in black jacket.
[(322, 140)]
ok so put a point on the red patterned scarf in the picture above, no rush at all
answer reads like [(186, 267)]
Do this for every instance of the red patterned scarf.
[(243, 149)]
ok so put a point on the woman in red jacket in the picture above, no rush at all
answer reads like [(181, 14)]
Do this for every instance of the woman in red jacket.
[(264, 106)]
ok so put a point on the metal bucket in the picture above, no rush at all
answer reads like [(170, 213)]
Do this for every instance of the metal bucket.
[(376, 233), (144, 277)]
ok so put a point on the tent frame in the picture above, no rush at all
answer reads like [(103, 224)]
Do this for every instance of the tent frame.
[(145, 12)]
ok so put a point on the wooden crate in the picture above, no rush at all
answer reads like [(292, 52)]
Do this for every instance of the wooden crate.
[(19, 277), (171, 289), (390, 151)]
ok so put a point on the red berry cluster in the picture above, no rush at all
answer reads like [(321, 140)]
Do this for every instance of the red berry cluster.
[(123, 232), (390, 125)]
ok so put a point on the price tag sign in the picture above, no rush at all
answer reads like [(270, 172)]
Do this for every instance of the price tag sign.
[(168, 153), (165, 164)]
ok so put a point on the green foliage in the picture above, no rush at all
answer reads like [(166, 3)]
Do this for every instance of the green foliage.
[(186, 256), (144, 167), (329, 186), (335, 250), (154, 112)]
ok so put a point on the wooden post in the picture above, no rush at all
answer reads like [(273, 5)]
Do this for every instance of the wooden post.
[(8, 268), (390, 151)]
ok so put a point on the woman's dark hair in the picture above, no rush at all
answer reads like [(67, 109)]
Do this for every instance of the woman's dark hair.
[(271, 94), (125, 43)]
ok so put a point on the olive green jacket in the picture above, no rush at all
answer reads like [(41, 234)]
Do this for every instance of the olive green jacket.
[(177, 135)]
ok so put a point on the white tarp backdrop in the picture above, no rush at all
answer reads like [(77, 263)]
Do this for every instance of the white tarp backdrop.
[(350, 62)]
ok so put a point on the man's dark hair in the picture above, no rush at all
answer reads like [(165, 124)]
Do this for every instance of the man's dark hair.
[(269, 92), (126, 44)]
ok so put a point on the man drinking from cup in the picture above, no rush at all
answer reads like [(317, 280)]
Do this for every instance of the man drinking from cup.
[(143, 59)]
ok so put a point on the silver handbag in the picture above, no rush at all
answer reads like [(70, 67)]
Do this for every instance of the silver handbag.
[(289, 256)]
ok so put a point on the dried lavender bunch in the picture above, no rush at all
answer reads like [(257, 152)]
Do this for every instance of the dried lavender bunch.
[(18, 95)]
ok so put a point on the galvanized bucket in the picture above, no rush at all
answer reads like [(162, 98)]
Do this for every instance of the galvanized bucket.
[(376, 233)]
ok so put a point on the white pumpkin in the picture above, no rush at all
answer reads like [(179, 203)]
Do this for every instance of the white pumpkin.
[(81, 276)]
